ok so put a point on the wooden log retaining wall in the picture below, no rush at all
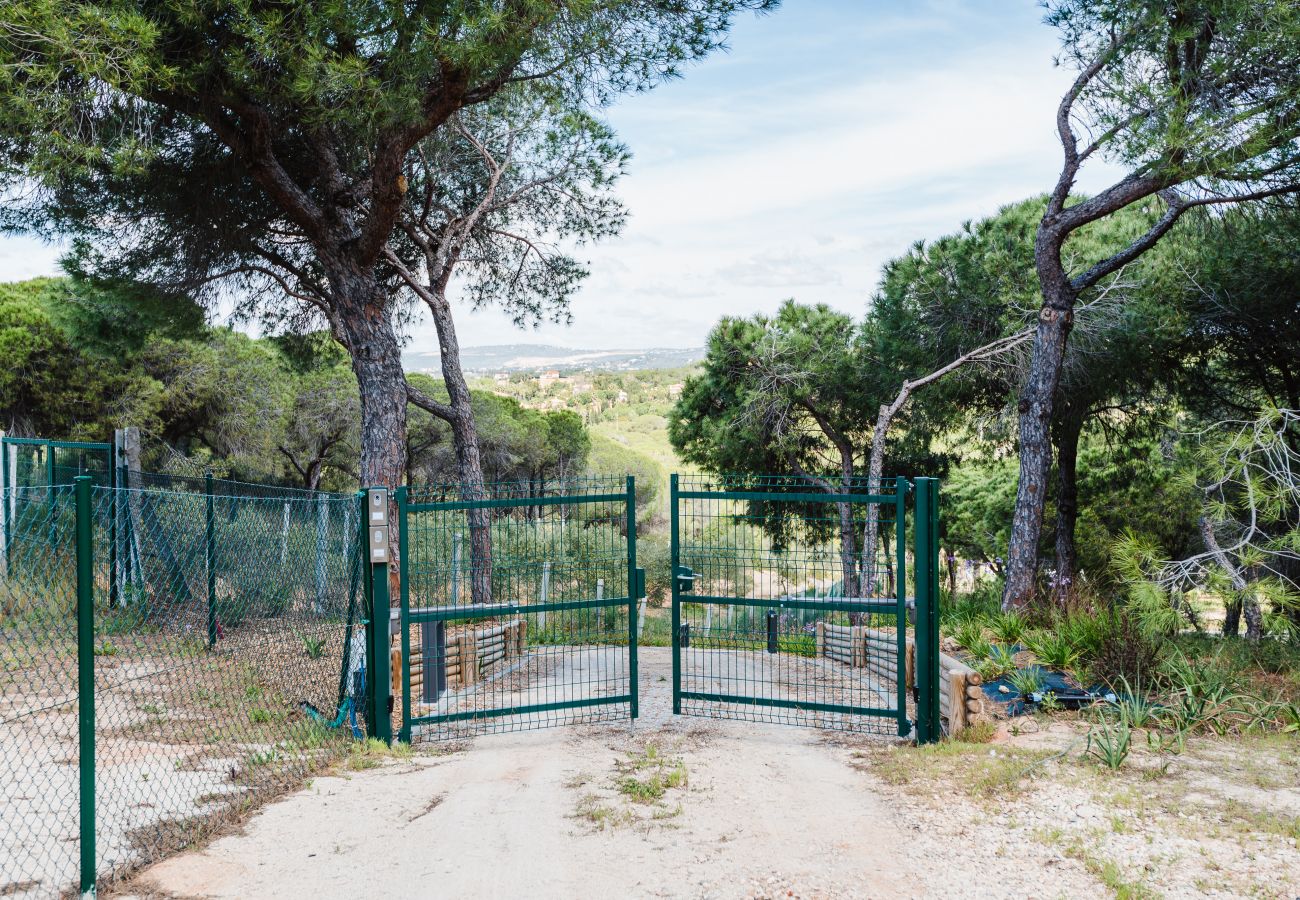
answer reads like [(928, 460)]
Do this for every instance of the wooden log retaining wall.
[(961, 699), (470, 652), (876, 649)]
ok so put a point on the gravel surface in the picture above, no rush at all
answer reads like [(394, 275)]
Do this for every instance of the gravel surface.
[(757, 811)]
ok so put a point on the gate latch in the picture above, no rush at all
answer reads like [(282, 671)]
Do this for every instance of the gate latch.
[(685, 579)]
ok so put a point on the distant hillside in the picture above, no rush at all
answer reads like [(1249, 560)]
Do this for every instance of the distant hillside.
[(534, 357)]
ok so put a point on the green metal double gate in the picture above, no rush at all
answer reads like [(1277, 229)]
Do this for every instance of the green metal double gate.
[(518, 609), (525, 608), (792, 606)]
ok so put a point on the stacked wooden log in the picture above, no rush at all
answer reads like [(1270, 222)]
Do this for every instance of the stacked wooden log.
[(470, 652), (857, 646), (961, 699)]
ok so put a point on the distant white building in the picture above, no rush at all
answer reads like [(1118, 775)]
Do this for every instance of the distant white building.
[(622, 396), (548, 378)]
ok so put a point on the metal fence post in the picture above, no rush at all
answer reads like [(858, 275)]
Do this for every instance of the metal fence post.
[(86, 677), (51, 494), (113, 599), (405, 599), (926, 523), (4, 506), (676, 597), (901, 488), (377, 555), (632, 597), (211, 557)]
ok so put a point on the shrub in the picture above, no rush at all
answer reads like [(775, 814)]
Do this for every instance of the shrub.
[(1052, 649), (1110, 742), (1027, 681), (1125, 655), (997, 662), (971, 636), (1007, 627)]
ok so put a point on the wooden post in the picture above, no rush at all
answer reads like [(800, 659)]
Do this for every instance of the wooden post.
[(821, 638), (857, 647), (468, 657), (956, 701), (131, 453)]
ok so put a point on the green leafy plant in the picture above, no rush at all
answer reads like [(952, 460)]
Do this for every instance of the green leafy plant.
[(971, 636), (999, 660), (1052, 649), (1027, 681), (1008, 627), (1110, 743), (1135, 707), (314, 647)]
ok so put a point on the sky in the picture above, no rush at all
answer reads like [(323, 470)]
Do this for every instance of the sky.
[(828, 138)]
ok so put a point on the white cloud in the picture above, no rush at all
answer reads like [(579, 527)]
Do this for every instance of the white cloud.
[(799, 163)]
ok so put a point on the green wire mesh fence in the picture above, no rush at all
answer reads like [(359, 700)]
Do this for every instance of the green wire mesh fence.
[(518, 608), (227, 665), (38, 700), (785, 610)]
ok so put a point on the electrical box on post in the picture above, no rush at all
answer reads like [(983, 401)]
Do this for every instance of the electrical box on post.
[(377, 524)]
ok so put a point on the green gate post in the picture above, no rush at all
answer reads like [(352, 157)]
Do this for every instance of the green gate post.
[(113, 599), (633, 595), (49, 490), (677, 613), (376, 549), (86, 679), (901, 489), (5, 488), (211, 556), (927, 609), (404, 590)]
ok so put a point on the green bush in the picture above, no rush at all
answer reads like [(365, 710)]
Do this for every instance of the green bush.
[(1052, 649)]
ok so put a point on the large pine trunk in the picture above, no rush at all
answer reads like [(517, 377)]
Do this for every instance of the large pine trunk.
[(377, 362), (1036, 400), (362, 322), (1068, 429), (469, 465)]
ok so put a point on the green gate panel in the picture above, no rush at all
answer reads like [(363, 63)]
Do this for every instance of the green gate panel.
[(779, 614), (534, 592)]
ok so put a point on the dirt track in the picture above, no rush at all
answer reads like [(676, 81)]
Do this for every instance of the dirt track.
[(766, 811)]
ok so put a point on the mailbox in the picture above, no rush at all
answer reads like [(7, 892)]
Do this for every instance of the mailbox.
[(377, 524), (379, 544), (378, 506)]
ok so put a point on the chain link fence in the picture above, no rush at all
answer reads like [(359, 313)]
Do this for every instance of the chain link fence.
[(228, 659)]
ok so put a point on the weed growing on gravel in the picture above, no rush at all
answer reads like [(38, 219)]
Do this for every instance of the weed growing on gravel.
[(1110, 742), (598, 814), (371, 753), (314, 647), (647, 777), (1108, 872)]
